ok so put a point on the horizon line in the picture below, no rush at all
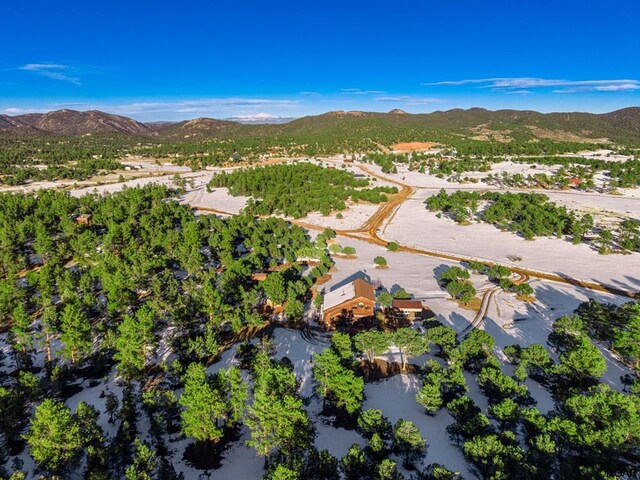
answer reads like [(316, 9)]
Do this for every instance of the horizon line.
[(255, 118)]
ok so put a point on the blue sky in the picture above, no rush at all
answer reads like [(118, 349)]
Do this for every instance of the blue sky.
[(167, 60)]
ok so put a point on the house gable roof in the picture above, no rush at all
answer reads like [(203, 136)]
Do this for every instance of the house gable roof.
[(356, 289), (407, 304)]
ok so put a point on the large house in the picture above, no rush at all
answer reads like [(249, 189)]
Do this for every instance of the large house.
[(353, 300)]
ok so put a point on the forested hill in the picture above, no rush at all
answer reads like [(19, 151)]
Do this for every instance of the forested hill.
[(72, 122), (621, 126)]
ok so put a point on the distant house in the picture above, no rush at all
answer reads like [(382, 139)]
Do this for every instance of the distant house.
[(83, 219), (575, 181), (409, 309), (354, 300)]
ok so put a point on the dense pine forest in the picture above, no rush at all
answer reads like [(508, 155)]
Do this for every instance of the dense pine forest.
[(148, 295), (295, 190)]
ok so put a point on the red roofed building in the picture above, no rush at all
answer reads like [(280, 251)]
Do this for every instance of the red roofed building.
[(409, 309), (354, 300)]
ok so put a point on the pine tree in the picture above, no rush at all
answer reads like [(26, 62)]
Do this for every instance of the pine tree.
[(50, 329), (326, 366), (204, 406), (342, 346), (372, 343), (76, 332), (354, 464), (237, 393), (22, 334), (143, 463), (336, 382), (86, 417), (275, 288), (134, 341), (409, 342), (408, 442), (54, 438), (430, 397), (583, 360), (372, 421), (443, 337), (276, 418), (627, 340)]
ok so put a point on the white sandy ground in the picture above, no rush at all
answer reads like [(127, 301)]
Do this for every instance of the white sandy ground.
[(353, 218), (603, 154), (395, 396), (413, 225)]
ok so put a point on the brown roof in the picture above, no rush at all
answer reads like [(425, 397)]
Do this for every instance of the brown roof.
[(407, 304), (364, 289)]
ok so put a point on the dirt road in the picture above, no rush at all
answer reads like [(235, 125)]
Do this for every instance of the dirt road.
[(370, 232)]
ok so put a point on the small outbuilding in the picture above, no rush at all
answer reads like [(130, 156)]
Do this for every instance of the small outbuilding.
[(409, 309), (84, 219)]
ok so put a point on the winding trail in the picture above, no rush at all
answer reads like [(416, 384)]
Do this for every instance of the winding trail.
[(372, 228), (478, 320)]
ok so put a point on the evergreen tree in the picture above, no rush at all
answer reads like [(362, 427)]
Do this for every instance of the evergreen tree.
[(493, 458), (143, 462), (627, 340), (372, 421), (204, 406), (582, 360), (275, 288), (430, 397), (134, 341), (76, 332), (443, 337), (276, 418), (54, 437), (409, 343), (93, 440), (372, 343), (385, 299), (354, 464), (408, 442), (342, 346), (23, 337), (337, 383)]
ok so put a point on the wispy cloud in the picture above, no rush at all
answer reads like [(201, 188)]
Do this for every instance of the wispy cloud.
[(519, 92), (208, 105), (16, 111), (358, 91), (408, 99), (54, 71), (528, 84), (260, 118), (309, 94), (180, 109)]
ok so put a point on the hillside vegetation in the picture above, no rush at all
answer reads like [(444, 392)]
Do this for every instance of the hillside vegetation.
[(205, 141)]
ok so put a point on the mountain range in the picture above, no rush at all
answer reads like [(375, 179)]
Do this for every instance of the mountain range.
[(620, 125)]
